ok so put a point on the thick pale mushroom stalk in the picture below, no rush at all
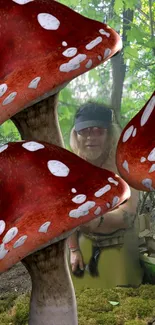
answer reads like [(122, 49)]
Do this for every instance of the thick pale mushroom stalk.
[(135, 156), (46, 193), (46, 45)]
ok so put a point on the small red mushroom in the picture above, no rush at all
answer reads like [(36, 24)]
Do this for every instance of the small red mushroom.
[(46, 192), (44, 46), (135, 155)]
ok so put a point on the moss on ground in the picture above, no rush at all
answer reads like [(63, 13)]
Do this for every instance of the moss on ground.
[(95, 307)]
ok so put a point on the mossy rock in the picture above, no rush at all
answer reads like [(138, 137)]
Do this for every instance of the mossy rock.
[(21, 310), (106, 319), (135, 322), (86, 321), (133, 308), (5, 319), (136, 307), (147, 292), (7, 301)]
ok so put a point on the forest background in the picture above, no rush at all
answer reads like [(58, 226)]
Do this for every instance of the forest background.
[(126, 81)]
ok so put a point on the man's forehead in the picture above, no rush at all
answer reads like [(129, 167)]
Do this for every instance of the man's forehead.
[(94, 128)]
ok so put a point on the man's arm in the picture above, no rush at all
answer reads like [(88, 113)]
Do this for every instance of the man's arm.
[(73, 242), (122, 217), (76, 258)]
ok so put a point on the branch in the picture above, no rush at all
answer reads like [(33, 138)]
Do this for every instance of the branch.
[(144, 15), (151, 23)]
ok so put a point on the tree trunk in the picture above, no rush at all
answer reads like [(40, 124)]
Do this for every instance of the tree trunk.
[(119, 67), (118, 75)]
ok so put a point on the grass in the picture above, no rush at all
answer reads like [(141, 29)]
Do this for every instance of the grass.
[(95, 307)]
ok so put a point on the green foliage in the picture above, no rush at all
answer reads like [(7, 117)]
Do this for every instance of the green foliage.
[(8, 133), (118, 6)]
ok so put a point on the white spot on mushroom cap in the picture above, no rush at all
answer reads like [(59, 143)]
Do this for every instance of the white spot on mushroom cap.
[(48, 21), (107, 52), (11, 233), (73, 64), (103, 190), (127, 133), (33, 146), (64, 43), (108, 205), (103, 32), (142, 159), (82, 210), (126, 166), (134, 133), (94, 43), (4, 147), (70, 52), (147, 111), (34, 83), (98, 211), (115, 201), (89, 64), (2, 226), (73, 190), (57, 168), (3, 251), (20, 241), (22, 2), (9, 99), (80, 198), (151, 156), (111, 180), (44, 227), (99, 57), (147, 182), (3, 89), (152, 169)]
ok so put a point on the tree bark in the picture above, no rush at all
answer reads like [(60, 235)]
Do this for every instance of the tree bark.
[(119, 68)]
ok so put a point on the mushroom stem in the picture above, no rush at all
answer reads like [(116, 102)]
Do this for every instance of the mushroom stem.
[(52, 299), (40, 122)]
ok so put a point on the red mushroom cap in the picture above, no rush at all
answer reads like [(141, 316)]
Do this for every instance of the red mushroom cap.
[(47, 191), (44, 46), (135, 155)]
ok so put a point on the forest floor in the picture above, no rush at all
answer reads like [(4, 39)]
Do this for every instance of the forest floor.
[(117, 306)]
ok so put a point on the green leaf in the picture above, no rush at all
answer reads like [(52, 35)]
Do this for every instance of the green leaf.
[(129, 4), (114, 303), (136, 34), (130, 52), (118, 6)]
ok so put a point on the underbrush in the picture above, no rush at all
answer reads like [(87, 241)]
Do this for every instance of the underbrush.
[(117, 306)]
